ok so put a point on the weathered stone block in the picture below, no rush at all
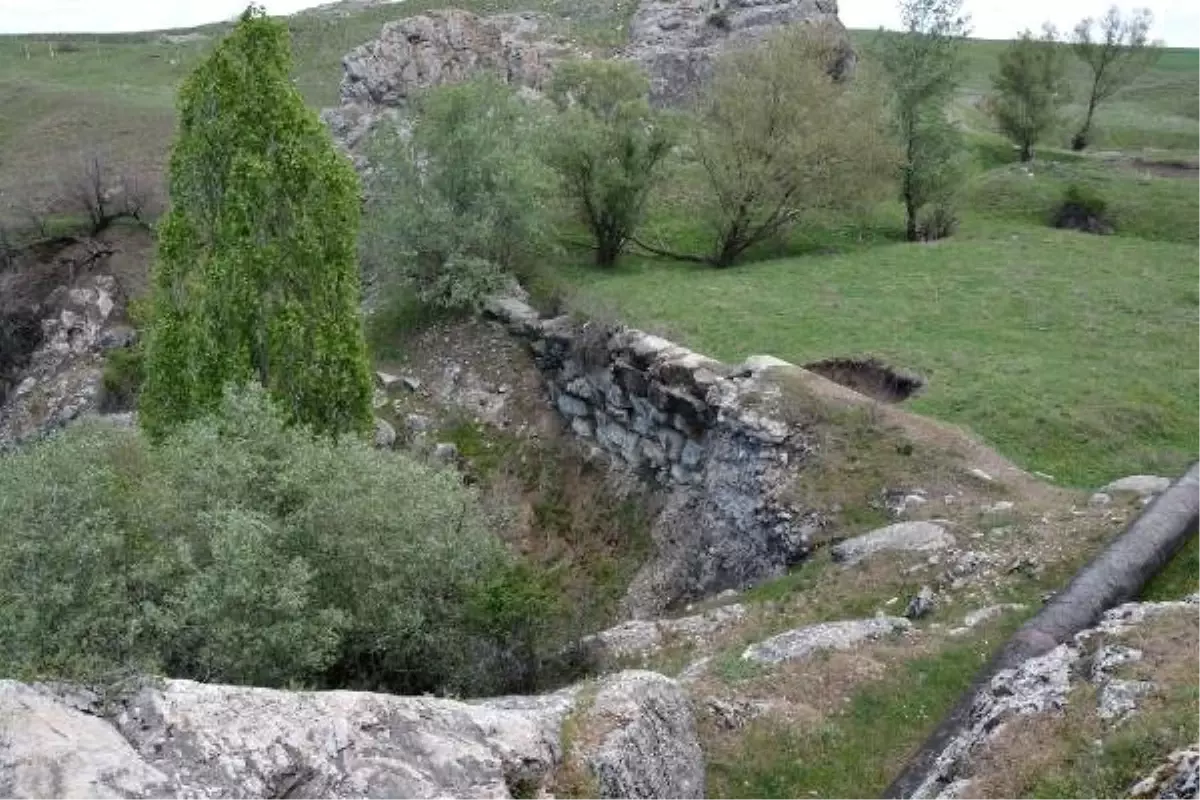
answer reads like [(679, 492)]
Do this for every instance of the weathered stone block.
[(572, 406)]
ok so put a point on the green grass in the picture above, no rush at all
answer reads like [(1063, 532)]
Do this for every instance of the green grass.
[(857, 752), (1179, 578), (1075, 355)]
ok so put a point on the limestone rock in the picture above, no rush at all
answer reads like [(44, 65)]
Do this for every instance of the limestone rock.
[(48, 749), (1141, 485), (62, 377), (638, 637), (989, 612), (187, 739), (385, 434), (903, 536), (640, 739), (1177, 777), (921, 604), (801, 643), (678, 41)]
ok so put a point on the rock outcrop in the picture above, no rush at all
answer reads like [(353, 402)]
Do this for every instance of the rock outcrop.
[(440, 47), (187, 739), (675, 41), (1043, 685), (62, 377), (678, 41), (802, 643)]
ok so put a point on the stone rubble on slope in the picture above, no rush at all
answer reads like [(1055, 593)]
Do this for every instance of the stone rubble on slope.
[(1176, 778), (902, 536), (802, 643), (1042, 684)]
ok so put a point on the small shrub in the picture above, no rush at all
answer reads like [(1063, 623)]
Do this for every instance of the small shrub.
[(1083, 209), (719, 19), (245, 550), (124, 371), (938, 221)]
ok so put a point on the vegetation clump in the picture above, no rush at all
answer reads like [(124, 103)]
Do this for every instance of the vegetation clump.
[(1083, 209), (1029, 89), (245, 550)]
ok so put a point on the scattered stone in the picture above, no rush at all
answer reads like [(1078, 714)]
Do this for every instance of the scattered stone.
[(733, 714), (639, 637), (411, 383), (1143, 485), (572, 406), (445, 452), (980, 474), (801, 643), (921, 604), (1177, 777), (989, 612), (386, 380), (1110, 656), (418, 423), (1118, 698), (1100, 499), (1037, 685), (903, 536), (385, 434), (583, 427), (1000, 507)]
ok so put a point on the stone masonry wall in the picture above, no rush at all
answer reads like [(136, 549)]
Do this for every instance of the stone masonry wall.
[(684, 421)]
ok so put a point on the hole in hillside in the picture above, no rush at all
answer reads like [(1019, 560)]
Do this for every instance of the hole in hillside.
[(870, 377)]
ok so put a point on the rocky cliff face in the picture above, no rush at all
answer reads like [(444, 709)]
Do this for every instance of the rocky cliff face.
[(675, 41), (678, 41), (185, 739)]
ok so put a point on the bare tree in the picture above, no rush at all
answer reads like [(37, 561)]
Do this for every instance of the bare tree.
[(1116, 57), (104, 199)]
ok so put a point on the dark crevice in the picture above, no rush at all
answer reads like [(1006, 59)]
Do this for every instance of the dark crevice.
[(870, 377)]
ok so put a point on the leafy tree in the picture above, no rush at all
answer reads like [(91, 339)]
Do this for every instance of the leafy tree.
[(779, 136), (923, 65), (1029, 89), (1115, 58), (256, 275), (607, 146), (458, 204)]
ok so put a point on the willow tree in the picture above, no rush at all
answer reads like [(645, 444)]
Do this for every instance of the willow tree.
[(256, 278)]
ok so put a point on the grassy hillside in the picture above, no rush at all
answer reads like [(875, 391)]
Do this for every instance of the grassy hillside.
[(1072, 354)]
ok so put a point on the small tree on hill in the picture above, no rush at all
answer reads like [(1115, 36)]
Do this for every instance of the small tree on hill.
[(459, 202), (607, 145), (779, 136), (1115, 58), (923, 66), (256, 277), (1029, 89)]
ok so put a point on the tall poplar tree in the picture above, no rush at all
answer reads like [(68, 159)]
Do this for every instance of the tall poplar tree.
[(256, 277)]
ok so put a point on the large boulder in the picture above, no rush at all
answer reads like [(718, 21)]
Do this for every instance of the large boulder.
[(678, 41), (185, 739), (433, 49)]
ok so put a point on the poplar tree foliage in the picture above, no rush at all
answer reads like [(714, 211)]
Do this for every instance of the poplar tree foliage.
[(1115, 58), (923, 65), (1030, 89), (256, 277), (607, 146)]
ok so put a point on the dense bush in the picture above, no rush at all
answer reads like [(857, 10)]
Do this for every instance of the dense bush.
[(1029, 89), (457, 204), (1083, 209), (248, 551)]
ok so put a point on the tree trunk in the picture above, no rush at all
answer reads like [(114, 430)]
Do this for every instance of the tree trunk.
[(1026, 152), (910, 222), (1080, 140)]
